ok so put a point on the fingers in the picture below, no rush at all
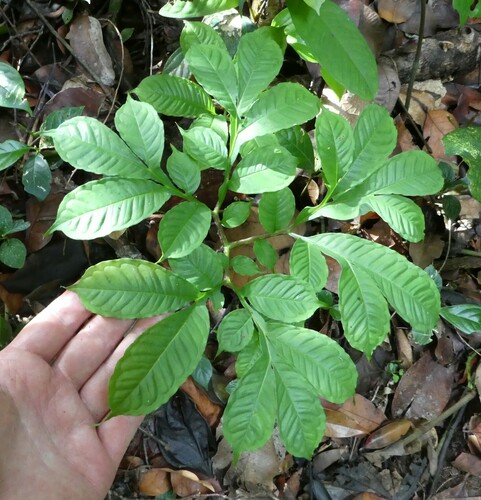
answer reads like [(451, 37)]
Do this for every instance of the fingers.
[(92, 345), (50, 330), (94, 392)]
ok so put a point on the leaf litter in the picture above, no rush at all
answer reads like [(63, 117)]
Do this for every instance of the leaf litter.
[(401, 388)]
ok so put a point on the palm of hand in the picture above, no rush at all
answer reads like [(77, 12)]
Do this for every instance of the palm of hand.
[(53, 392)]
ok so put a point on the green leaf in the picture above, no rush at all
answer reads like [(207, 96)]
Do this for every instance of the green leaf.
[(10, 152), (244, 265), (180, 9), (13, 253), (202, 267), (282, 298), (258, 60), (451, 206), (280, 107), (300, 416), (131, 289), (402, 214), (263, 171), (406, 287), (236, 214), (299, 144), (464, 317), (158, 362), (174, 96), (202, 374), (183, 170), (335, 145), (197, 33), (315, 4), (266, 254), (308, 264), (464, 10), (206, 147), (6, 333), (37, 177), (364, 311), (97, 208), (248, 356), (337, 45), (87, 144), (183, 228), (374, 139), (276, 209), (217, 123), (214, 70), (251, 410), (6, 221), (466, 143), (141, 128), (235, 331), (19, 225), (315, 357), (56, 118), (12, 89)]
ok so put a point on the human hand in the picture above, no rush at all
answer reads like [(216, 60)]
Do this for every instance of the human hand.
[(53, 392)]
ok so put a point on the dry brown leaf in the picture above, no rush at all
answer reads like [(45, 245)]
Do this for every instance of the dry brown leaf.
[(474, 434), (153, 482), (438, 123), (403, 348), (210, 411), (468, 463), (41, 215), (396, 11), (388, 434), (185, 483), (326, 458), (424, 390), (88, 46), (423, 253)]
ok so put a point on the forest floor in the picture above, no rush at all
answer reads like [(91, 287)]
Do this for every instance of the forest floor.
[(431, 445)]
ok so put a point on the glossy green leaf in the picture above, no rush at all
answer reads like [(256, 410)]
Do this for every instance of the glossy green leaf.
[(198, 33), (10, 152), (236, 214), (406, 287), (335, 145), (466, 143), (266, 254), (12, 89), (464, 317), (276, 209), (90, 145), (299, 144), (217, 123), (315, 357), (57, 117), (451, 206), (213, 68), (264, 171), (181, 9), (202, 267), (6, 221), (300, 416), (337, 45), (258, 60), (37, 177), (174, 96), (402, 215), (250, 413), (244, 265), (248, 356), (131, 289), (183, 228), (235, 331), (97, 208), (183, 170), (280, 107), (141, 128), (364, 312), (307, 263), (281, 297), (13, 253), (206, 147), (374, 139), (158, 362)]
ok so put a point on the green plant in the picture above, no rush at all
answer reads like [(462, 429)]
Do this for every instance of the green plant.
[(12, 250), (258, 144)]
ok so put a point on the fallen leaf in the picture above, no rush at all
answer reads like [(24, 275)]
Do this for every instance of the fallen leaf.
[(41, 215), (209, 410), (388, 434), (396, 11), (153, 482), (327, 458), (468, 463), (438, 123), (186, 483), (474, 434)]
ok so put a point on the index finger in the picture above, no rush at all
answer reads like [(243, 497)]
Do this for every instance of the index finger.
[(51, 329)]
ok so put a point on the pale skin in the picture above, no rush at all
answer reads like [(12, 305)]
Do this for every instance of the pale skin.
[(53, 393)]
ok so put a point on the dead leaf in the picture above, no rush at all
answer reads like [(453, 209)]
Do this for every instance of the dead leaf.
[(388, 434), (389, 84), (89, 98), (326, 458), (474, 434), (41, 215), (153, 482), (424, 252), (186, 483), (88, 46), (438, 123), (424, 390), (210, 411), (396, 11), (468, 463)]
